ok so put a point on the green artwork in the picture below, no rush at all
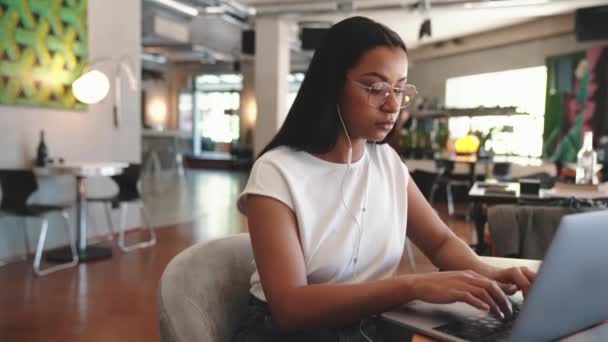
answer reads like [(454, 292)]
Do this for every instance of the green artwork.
[(43, 49), (576, 102)]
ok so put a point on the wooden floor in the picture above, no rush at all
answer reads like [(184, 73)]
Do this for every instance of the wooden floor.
[(109, 300)]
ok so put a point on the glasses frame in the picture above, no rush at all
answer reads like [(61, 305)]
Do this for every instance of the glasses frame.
[(394, 91)]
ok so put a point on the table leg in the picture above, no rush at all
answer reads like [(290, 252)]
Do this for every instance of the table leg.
[(81, 216), (85, 253), (472, 173)]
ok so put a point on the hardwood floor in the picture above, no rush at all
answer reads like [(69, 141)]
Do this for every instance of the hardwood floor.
[(109, 300), (116, 299)]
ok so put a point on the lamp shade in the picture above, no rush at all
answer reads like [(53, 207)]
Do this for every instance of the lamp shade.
[(92, 87), (467, 144)]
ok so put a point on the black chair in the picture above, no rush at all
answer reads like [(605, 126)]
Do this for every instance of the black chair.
[(446, 178), (127, 193), (17, 186)]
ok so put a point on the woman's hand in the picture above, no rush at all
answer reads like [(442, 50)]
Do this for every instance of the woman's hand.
[(464, 286), (522, 277)]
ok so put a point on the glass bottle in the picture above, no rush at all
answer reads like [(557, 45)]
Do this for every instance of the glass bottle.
[(586, 161), (42, 153)]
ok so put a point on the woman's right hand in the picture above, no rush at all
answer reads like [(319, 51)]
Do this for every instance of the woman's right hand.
[(464, 286)]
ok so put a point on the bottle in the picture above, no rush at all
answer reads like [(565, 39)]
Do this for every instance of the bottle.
[(42, 152), (586, 161)]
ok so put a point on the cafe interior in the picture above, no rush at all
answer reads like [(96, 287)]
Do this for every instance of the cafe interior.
[(129, 128)]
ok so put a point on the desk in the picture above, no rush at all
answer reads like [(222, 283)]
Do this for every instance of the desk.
[(479, 196), (81, 171), (595, 333), (473, 160)]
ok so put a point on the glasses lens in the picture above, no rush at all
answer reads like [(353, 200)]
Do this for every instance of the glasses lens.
[(408, 95), (378, 93)]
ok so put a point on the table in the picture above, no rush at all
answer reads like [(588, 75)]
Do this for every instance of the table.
[(473, 160), (479, 196), (81, 171), (596, 333)]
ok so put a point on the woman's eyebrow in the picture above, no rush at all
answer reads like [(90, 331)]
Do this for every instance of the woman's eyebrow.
[(382, 77)]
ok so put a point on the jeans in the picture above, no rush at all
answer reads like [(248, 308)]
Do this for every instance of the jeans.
[(258, 325)]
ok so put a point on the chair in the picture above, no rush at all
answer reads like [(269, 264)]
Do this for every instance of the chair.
[(446, 177), (127, 193), (17, 186), (204, 291)]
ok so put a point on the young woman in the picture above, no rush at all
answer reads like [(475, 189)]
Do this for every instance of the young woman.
[(329, 206)]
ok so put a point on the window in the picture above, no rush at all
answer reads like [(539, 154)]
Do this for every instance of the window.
[(295, 81), (219, 115), (515, 134), (185, 111), (218, 100)]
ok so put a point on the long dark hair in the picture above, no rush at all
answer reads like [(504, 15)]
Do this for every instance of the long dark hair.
[(312, 122)]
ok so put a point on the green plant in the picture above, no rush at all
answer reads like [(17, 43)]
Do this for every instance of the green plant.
[(484, 137), (442, 135)]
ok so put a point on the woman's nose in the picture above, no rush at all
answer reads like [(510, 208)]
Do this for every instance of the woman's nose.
[(392, 103)]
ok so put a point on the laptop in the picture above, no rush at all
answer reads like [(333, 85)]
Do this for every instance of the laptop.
[(570, 294)]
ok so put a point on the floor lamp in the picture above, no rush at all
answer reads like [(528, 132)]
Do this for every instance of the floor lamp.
[(93, 86)]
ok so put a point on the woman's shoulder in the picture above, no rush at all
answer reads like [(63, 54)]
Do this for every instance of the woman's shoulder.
[(278, 156), (388, 155), (387, 152), (284, 159)]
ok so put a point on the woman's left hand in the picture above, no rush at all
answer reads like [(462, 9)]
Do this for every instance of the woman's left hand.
[(522, 277)]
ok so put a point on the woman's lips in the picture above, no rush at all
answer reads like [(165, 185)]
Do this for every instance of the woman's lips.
[(386, 125)]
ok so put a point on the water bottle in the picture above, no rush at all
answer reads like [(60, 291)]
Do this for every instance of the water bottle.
[(586, 161)]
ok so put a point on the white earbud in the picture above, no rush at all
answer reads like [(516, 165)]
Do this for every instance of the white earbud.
[(350, 145), (359, 222)]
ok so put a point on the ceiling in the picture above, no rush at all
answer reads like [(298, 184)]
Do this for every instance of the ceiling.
[(449, 18)]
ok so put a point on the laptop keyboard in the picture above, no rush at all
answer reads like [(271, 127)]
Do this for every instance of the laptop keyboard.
[(481, 329)]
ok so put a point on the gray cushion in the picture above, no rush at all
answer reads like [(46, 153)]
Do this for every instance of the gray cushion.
[(204, 290)]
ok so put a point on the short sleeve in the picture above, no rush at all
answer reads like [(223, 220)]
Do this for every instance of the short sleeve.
[(406, 171), (398, 162), (266, 179)]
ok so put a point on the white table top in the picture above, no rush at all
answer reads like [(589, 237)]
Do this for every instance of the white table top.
[(82, 169), (559, 191)]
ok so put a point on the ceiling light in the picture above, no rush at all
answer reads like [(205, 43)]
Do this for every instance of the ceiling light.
[(504, 3), (178, 6)]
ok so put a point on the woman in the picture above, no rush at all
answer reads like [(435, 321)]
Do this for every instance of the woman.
[(329, 205)]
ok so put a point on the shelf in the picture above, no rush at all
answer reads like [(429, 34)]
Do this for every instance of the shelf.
[(456, 112)]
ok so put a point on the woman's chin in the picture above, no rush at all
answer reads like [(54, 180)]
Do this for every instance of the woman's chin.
[(377, 136)]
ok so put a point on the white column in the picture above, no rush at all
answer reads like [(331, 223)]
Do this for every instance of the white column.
[(271, 70)]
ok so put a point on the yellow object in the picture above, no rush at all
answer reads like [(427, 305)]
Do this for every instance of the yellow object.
[(467, 144)]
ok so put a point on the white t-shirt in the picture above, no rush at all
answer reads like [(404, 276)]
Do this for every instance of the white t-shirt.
[(310, 186)]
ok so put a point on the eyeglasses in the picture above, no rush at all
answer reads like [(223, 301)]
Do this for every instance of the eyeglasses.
[(379, 92)]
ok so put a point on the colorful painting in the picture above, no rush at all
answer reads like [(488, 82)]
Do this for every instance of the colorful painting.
[(43, 49), (577, 102)]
